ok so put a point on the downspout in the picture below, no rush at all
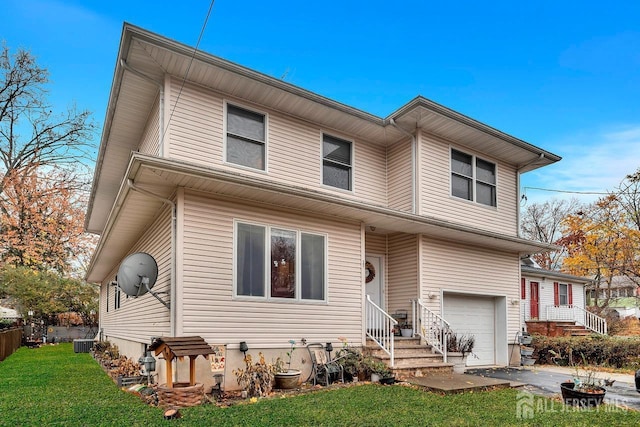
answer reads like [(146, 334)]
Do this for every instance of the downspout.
[(413, 164), (173, 306), (160, 106)]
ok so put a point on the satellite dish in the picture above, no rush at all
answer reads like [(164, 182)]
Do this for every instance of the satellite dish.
[(137, 274)]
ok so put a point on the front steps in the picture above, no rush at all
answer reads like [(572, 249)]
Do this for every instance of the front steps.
[(557, 328), (412, 359)]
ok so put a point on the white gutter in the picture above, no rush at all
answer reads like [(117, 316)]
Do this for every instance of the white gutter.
[(414, 168), (173, 305), (161, 102)]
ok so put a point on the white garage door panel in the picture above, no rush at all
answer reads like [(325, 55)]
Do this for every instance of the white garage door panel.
[(474, 315)]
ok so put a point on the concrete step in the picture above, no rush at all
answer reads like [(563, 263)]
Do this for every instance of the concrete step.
[(403, 373), (582, 333), (411, 358), (403, 352), (420, 360)]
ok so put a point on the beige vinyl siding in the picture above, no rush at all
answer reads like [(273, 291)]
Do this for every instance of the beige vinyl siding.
[(403, 271), (399, 170), (370, 173), (139, 319), (196, 125), (294, 148), (472, 270), (376, 244), (209, 306), (150, 141), (435, 190)]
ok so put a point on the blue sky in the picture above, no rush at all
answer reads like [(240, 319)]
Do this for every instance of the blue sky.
[(562, 75)]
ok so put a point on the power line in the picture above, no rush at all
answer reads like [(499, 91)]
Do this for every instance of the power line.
[(186, 73), (567, 191)]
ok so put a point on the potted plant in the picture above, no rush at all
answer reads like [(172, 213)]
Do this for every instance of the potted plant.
[(406, 330), (287, 378), (584, 391), (458, 348), (351, 361), (378, 371)]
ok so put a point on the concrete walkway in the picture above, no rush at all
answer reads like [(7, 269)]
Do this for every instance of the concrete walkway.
[(457, 383)]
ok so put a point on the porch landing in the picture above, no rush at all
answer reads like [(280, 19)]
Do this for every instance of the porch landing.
[(457, 383)]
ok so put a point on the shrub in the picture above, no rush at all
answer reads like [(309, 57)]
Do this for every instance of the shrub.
[(257, 378), (594, 350)]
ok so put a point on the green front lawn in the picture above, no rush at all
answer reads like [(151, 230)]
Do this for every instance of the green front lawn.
[(54, 386)]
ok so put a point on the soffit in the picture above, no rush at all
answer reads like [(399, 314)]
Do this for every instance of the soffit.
[(133, 212)]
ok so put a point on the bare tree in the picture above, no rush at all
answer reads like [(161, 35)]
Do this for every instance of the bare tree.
[(30, 133), (45, 160), (628, 196), (542, 222)]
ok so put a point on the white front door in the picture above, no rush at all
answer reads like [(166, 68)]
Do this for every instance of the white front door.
[(374, 284)]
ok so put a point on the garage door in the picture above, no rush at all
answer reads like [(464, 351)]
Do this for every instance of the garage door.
[(474, 315)]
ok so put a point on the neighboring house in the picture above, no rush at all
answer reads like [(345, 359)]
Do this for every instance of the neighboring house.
[(553, 303), (8, 313), (625, 296), (621, 287), (262, 203)]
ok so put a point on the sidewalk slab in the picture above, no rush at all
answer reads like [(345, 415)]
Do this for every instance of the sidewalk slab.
[(457, 383)]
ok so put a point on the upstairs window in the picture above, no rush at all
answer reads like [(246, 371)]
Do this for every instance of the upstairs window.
[(246, 138), (473, 179), (336, 162)]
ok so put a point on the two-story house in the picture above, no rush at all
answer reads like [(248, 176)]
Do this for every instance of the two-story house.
[(274, 213)]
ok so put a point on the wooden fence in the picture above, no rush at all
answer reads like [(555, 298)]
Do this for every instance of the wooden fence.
[(10, 340)]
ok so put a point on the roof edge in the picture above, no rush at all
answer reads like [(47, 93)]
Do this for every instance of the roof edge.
[(421, 101)]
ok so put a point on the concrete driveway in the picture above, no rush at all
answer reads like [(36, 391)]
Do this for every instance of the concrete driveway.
[(545, 380)]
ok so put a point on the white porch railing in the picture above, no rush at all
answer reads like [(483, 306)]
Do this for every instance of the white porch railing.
[(380, 327), (579, 315), (431, 327)]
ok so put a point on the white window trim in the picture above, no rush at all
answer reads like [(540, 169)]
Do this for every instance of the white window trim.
[(227, 102), (353, 163), (474, 180), (566, 294), (267, 263)]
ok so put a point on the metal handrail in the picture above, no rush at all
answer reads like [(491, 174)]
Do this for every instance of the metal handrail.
[(380, 327), (431, 327)]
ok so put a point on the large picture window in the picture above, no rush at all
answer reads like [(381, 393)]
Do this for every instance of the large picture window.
[(473, 178), (336, 162), (278, 263), (246, 137)]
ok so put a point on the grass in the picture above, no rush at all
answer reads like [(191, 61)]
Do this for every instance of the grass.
[(54, 386)]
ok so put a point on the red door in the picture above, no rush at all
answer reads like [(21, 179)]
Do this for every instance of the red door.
[(535, 301)]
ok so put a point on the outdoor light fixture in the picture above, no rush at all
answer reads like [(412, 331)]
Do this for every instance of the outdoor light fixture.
[(244, 347), (329, 348)]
